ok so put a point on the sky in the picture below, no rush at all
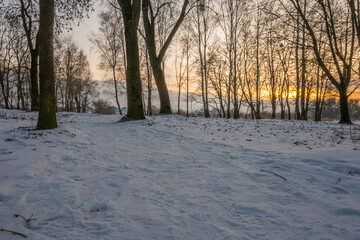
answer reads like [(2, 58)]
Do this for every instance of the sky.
[(81, 35)]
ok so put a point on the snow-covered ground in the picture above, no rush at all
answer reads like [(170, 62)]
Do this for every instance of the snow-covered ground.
[(169, 177)]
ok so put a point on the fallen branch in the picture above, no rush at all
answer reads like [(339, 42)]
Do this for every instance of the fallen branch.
[(13, 232), (274, 174), (26, 219)]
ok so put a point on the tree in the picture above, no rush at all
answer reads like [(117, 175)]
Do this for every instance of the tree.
[(26, 12), (73, 84), (88, 89), (131, 15), (19, 64), (231, 15), (185, 41), (180, 75), (5, 63), (204, 23), (47, 109), (150, 15), (340, 37), (257, 83), (111, 46), (217, 68), (248, 68)]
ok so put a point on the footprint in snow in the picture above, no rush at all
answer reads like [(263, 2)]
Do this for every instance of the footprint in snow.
[(5, 152), (348, 211), (68, 159), (100, 207)]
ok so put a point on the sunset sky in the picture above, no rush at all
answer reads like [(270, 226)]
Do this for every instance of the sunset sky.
[(81, 36)]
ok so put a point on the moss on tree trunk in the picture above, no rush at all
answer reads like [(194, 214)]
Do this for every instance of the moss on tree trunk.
[(47, 106), (131, 16)]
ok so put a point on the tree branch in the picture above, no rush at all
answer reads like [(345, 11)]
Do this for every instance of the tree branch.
[(13, 232)]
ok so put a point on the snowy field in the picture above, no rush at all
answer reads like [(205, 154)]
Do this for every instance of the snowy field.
[(169, 177)]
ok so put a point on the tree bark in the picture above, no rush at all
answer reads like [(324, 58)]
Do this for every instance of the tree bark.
[(187, 77), (116, 91), (4, 89), (297, 107), (179, 95), (344, 107), (257, 112), (47, 107), (303, 113), (165, 105), (131, 15), (34, 91), (149, 78)]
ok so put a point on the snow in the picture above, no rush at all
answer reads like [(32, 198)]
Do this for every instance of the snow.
[(169, 177)]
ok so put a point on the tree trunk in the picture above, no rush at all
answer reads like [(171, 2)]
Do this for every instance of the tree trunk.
[(257, 112), (149, 107), (318, 96), (131, 15), (187, 78), (116, 91), (4, 92), (133, 81), (84, 106), (303, 113), (47, 107), (282, 110), (34, 80), (297, 107), (273, 106), (344, 107), (179, 95), (78, 104), (165, 105), (317, 113)]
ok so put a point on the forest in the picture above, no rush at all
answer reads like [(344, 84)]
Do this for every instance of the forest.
[(257, 59)]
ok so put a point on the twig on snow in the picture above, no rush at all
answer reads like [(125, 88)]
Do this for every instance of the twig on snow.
[(13, 232), (26, 219), (278, 175)]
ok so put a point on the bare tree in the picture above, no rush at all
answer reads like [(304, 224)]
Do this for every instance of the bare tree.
[(150, 14), (5, 63), (180, 72), (340, 36), (204, 23), (231, 14), (73, 76), (110, 43), (185, 41), (19, 64), (217, 68)]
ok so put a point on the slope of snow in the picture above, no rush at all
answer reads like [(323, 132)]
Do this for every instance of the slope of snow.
[(169, 177)]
